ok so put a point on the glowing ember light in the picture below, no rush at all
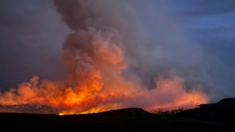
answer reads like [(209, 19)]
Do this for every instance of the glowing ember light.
[(84, 113), (168, 94), (61, 114), (171, 111)]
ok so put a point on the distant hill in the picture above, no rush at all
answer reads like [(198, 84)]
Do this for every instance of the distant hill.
[(27, 108), (224, 109), (127, 112), (223, 105)]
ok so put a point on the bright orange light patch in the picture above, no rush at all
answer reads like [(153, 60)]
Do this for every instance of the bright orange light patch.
[(61, 114), (169, 93)]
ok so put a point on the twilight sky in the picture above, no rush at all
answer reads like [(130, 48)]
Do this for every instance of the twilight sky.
[(32, 33)]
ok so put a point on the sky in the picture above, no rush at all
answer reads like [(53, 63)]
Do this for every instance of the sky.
[(31, 38), (211, 23), (32, 33)]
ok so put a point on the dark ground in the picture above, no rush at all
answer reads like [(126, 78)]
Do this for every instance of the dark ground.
[(210, 117)]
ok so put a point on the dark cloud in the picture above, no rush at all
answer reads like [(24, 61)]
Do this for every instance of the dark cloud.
[(223, 33), (204, 7)]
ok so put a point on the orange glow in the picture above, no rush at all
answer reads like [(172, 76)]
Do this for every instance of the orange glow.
[(169, 93), (172, 111), (61, 114)]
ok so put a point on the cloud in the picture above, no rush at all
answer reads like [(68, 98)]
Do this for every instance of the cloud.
[(204, 7), (218, 33)]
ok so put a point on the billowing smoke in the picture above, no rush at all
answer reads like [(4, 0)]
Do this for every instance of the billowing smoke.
[(113, 65)]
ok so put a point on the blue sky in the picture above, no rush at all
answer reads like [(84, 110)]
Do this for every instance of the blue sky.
[(208, 21), (211, 23)]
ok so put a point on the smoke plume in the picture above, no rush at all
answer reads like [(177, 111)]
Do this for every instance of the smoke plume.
[(113, 65)]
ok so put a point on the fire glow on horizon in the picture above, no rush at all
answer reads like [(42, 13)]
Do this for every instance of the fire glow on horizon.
[(95, 55)]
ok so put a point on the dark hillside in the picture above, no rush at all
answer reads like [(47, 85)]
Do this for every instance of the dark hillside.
[(224, 109), (210, 117)]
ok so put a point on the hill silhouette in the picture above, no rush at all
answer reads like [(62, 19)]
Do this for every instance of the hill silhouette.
[(224, 109), (209, 117), (127, 112)]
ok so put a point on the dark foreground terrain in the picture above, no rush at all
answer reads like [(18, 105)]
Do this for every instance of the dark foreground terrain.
[(210, 117)]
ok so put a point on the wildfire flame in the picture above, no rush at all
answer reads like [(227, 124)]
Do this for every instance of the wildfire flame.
[(167, 94), (61, 114)]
